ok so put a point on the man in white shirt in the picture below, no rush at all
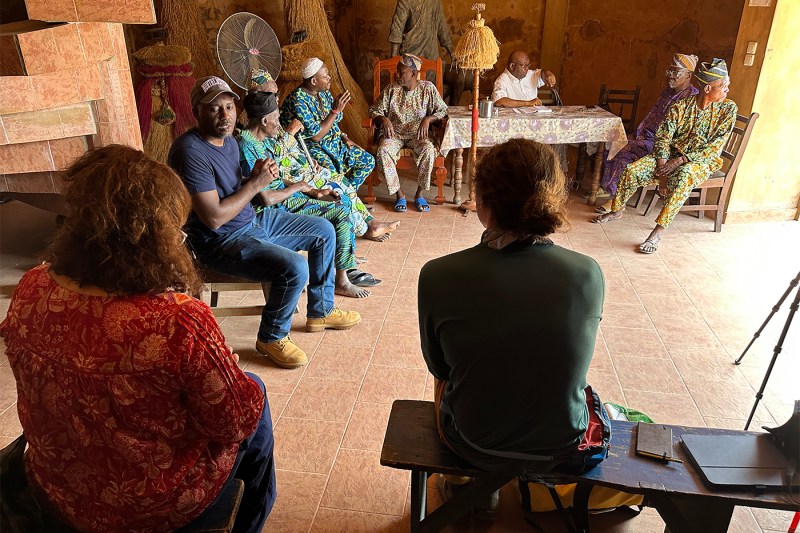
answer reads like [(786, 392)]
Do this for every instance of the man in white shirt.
[(518, 85)]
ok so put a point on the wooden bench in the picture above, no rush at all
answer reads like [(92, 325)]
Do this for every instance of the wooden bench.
[(676, 490), (216, 282)]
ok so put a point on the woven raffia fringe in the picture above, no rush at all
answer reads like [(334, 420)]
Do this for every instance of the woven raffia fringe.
[(162, 55), (159, 139), (477, 48), (310, 15), (181, 18)]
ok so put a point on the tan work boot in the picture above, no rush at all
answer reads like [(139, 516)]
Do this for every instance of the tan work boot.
[(338, 319), (283, 352)]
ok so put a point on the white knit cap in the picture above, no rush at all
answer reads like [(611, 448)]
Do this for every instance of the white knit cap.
[(310, 67)]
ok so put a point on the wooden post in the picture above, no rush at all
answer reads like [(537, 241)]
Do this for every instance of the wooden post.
[(469, 205)]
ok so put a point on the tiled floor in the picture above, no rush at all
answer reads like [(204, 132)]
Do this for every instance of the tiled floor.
[(673, 324)]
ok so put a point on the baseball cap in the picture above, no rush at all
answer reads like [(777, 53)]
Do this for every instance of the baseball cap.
[(208, 88)]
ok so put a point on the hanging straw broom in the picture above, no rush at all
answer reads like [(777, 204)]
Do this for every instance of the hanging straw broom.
[(181, 18), (477, 50), (310, 15)]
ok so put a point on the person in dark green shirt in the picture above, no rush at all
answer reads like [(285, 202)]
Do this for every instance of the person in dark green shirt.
[(511, 352)]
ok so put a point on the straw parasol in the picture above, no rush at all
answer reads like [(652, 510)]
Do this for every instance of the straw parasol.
[(477, 50)]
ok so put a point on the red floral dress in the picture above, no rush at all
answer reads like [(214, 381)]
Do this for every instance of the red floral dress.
[(133, 407)]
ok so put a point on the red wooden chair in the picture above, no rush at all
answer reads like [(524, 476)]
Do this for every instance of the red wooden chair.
[(406, 159)]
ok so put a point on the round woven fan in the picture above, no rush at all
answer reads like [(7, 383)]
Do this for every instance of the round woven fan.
[(244, 43)]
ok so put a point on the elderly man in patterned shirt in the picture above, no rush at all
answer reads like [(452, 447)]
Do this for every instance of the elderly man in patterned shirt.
[(687, 150), (405, 112)]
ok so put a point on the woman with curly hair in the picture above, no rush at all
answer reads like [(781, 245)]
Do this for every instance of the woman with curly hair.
[(134, 408), (510, 355)]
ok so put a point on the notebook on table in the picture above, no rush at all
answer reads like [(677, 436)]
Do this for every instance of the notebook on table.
[(739, 461)]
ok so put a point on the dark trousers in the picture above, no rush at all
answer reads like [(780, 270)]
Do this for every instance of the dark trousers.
[(255, 466)]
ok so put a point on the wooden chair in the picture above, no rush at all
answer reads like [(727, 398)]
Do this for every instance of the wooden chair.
[(622, 102), (546, 95), (406, 159), (722, 179)]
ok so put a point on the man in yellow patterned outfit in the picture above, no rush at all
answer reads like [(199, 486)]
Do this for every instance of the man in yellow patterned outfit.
[(687, 150)]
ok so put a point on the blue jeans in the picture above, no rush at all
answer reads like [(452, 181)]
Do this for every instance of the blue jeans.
[(265, 250), (255, 466)]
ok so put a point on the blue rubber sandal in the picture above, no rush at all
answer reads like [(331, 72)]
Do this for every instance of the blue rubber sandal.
[(401, 205), (422, 205)]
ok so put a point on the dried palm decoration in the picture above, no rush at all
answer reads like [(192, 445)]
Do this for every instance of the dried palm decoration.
[(163, 96), (477, 50), (309, 15), (181, 18)]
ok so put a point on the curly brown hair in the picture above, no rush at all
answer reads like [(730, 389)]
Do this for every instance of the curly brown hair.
[(124, 234), (522, 184)]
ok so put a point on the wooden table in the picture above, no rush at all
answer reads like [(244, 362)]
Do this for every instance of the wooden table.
[(564, 125)]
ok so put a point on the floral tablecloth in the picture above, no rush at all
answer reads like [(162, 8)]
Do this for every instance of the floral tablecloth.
[(563, 125)]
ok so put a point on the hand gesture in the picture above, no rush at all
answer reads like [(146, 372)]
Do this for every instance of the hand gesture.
[(263, 172), (424, 128), (549, 78), (294, 127), (665, 167), (341, 101), (347, 140), (386, 126), (535, 102)]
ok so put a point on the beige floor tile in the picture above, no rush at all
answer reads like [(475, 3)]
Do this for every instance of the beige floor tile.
[(278, 380), (626, 316), (9, 422), (367, 426), (277, 404), (307, 445), (666, 408), (725, 400), (635, 342), (364, 334), (299, 494), (340, 520), (647, 374), (386, 384), (347, 363), (401, 351), (771, 519), (359, 483), (323, 399)]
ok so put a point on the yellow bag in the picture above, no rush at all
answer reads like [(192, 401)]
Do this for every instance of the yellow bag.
[(540, 497)]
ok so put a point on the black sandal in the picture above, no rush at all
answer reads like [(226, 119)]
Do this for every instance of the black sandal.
[(362, 279)]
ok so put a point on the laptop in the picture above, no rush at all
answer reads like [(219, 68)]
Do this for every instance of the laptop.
[(740, 461)]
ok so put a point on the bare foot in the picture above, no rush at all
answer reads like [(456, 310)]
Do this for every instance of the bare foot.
[(379, 231), (350, 290), (608, 217), (344, 287)]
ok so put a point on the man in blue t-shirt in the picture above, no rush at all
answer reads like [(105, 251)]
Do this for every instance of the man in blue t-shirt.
[(227, 235)]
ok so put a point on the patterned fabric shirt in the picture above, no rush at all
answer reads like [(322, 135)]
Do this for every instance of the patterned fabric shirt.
[(699, 134), (133, 406), (250, 151), (311, 111), (406, 109), (284, 149), (650, 123)]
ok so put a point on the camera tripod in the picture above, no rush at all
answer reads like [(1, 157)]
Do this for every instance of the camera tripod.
[(779, 346)]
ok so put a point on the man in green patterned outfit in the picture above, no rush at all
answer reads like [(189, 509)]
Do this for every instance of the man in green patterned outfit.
[(686, 152)]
